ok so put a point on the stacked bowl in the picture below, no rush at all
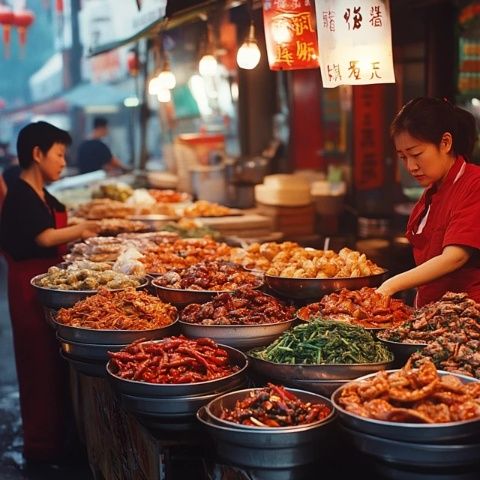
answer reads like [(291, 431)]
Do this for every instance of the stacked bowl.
[(420, 418), (260, 447), (171, 399)]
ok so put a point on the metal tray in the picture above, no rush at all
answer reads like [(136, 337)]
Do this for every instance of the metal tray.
[(315, 288), (237, 336), (270, 449), (88, 351), (229, 400), (57, 299), (92, 369), (145, 389), (111, 337), (408, 432), (286, 372), (415, 454)]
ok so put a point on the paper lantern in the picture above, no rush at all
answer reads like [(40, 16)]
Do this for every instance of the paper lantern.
[(6, 20), (22, 19)]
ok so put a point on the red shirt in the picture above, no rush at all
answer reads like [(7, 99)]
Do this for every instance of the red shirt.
[(453, 218)]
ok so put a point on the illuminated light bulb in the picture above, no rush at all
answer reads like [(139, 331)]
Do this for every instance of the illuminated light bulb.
[(208, 65), (154, 86), (248, 54), (166, 79), (281, 31), (164, 95)]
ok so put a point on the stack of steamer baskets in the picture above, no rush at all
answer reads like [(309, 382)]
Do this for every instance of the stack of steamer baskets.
[(164, 382), (91, 323)]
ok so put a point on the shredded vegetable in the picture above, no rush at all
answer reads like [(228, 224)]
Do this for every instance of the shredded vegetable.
[(325, 342)]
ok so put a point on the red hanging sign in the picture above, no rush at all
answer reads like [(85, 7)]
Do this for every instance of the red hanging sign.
[(368, 125), (290, 34)]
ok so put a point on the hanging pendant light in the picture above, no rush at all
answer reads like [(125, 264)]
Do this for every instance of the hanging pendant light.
[(207, 66), (164, 95), (248, 55)]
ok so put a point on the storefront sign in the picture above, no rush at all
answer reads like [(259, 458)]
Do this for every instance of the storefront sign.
[(355, 42), (368, 125), (290, 34)]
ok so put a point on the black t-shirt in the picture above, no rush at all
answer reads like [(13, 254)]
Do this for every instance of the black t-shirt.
[(92, 155), (24, 216)]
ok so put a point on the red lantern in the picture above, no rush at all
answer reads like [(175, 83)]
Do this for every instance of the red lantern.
[(133, 63), (6, 20), (22, 19), (59, 6)]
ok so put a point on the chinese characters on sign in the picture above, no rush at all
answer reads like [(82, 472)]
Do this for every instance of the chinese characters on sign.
[(354, 39), (290, 34), (368, 124)]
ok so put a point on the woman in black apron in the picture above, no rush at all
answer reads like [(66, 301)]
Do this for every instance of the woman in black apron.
[(33, 236)]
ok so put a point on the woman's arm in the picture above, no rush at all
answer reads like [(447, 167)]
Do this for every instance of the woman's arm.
[(51, 237), (452, 258)]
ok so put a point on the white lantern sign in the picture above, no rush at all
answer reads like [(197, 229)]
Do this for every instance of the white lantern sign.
[(354, 42)]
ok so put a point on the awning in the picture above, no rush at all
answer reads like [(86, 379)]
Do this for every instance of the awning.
[(94, 94)]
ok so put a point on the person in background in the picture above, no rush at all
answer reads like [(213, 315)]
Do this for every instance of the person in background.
[(94, 154), (33, 237), (435, 139), (11, 170)]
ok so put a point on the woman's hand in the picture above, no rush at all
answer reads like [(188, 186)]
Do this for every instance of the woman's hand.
[(89, 228)]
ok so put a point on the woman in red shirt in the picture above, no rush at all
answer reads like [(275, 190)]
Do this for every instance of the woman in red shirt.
[(435, 139)]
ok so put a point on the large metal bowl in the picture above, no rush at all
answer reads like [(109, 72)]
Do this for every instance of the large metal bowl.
[(322, 387), (408, 432), (402, 351), (56, 299), (238, 336), (272, 449), (111, 337), (315, 288), (89, 368), (183, 297), (145, 389), (170, 406), (228, 400), (284, 372), (415, 454), (88, 351)]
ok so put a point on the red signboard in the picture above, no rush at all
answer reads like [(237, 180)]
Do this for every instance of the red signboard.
[(368, 133), (290, 34)]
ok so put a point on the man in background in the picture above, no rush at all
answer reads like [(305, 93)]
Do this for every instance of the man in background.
[(94, 154)]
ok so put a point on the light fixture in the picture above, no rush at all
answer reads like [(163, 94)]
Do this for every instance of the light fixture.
[(208, 65), (164, 95), (166, 77), (154, 86), (248, 54)]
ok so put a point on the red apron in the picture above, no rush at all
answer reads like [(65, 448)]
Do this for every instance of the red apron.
[(42, 374)]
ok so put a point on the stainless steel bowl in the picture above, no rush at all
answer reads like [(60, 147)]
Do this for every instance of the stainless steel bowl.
[(228, 400), (285, 371), (270, 449), (322, 387), (415, 454), (408, 432), (237, 336), (145, 389), (315, 288), (402, 351), (169, 406), (92, 368), (88, 351), (56, 299), (183, 297), (111, 337)]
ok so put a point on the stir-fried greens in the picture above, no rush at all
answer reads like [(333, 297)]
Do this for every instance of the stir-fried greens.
[(325, 342)]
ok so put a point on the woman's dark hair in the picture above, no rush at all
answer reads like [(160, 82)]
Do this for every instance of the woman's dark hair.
[(38, 134), (428, 119)]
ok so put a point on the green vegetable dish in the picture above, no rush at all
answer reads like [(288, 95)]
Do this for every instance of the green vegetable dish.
[(321, 342)]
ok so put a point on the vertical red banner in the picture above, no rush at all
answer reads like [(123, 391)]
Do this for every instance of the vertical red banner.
[(290, 34), (368, 133)]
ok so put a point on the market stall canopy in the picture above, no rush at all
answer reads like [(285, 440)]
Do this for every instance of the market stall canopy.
[(94, 94)]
